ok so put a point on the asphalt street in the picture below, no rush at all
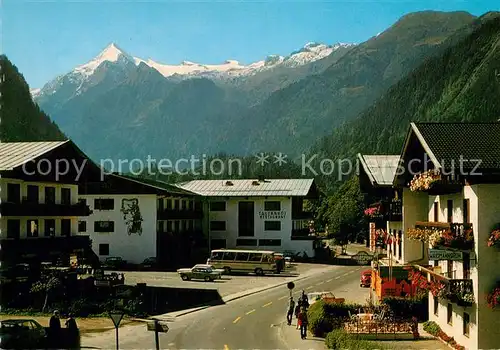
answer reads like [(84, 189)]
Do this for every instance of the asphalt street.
[(251, 322)]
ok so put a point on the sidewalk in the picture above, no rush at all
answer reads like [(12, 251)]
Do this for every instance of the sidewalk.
[(291, 338)]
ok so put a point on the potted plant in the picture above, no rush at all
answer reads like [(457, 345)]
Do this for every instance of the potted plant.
[(494, 239), (493, 298)]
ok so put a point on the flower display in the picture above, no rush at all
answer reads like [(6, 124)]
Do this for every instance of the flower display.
[(425, 180), (433, 236), (494, 240), (493, 298), (438, 289), (468, 298), (372, 211)]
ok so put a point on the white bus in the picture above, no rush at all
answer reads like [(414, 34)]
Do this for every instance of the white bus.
[(258, 261)]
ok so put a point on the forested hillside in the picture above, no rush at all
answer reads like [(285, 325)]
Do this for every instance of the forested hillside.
[(22, 119)]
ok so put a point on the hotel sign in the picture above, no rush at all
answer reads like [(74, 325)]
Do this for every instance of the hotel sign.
[(272, 214), (438, 254)]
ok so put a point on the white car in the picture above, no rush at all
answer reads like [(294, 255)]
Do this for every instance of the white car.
[(327, 296)]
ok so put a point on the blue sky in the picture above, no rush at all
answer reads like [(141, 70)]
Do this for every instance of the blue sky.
[(44, 39)]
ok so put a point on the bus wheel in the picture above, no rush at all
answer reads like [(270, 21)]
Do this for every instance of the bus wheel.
[(259, 272), (227, 270)]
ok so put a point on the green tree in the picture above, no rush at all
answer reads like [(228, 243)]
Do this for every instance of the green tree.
[(47, 284)]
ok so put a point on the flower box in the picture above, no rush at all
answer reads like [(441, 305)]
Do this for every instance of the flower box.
[(433, 182), (494, 239), (493, 298)]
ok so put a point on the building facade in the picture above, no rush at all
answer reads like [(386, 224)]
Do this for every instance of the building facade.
[(451, 204), (258, 214), (138, 219)]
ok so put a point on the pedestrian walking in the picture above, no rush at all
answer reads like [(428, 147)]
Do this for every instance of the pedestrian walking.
[(71, 323), (54, 330), (305, 300), (303, 323), (290, 311), (297, 312)]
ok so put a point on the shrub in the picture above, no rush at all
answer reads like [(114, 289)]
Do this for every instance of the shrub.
[(338, 339), (432, 327), (408, 307), (325, 317)]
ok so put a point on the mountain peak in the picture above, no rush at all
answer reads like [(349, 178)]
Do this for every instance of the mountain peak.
[(112, 53)]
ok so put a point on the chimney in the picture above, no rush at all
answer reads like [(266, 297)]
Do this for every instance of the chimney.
[(261, 178)]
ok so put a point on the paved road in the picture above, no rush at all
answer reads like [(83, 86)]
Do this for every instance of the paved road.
[(252, 322)]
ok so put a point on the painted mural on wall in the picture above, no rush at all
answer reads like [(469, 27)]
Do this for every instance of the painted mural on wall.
[(132, 215)]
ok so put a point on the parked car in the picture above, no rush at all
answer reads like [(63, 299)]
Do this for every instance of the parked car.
[(366, 278), (149, 264), (114, 263), (328, 297), (200, 272), (22, 334)]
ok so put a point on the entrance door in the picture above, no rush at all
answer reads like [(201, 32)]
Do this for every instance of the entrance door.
[(246, 219)]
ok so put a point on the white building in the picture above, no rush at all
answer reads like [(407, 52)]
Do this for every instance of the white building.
[(130, 219), (258, 214), (465, 196), (39, 206)]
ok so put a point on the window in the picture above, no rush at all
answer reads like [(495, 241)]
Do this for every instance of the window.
[(169, 225), (270, 242), (436, 305), (449, 315), (246, 242), (13, 229), (103, 249), (82, 226), (217, 226), (191, 204), (229, 256), (66, 196), (82, 201), (49, 228), (218, 206), (466, 265), (436, 211), (66, 227), (32, 228), (466, 319), (104, 204), (177, 226), (13, 193), (161, 204), (449, 269), (33, 194), (176, 204), (272, 205), (272, 225), (450, 210), (104, 226), (255, 257), (50, 195), (184, 205), (217, 244), (242, 256), (169, 204), (197, 225), (466, 211)]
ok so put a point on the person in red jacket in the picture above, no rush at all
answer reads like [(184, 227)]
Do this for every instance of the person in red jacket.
[(302, 320)]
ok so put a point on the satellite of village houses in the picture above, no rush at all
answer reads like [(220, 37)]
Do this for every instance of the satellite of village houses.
[(250, 174)]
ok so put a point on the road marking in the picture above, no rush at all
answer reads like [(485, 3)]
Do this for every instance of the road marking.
[(171, 344), (249, 312), (237, 319), (337, 277), (284, 297), (328, 280), (309, 288), (320, 283), (269, 303), (226, 347)]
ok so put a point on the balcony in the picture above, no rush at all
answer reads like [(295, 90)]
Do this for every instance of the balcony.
[(460, 291), (446, 235), (386, 210), (42, 209), (180, 214), (302, 234), (435, 183)]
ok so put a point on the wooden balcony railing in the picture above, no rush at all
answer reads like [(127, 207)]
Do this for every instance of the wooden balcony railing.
[(460, 291), (455, 235), (44, 209)]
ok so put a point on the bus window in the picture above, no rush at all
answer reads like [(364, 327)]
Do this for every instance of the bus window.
[(268, 258), (255, 257), (229, 256), (217, 256), (242, 256)]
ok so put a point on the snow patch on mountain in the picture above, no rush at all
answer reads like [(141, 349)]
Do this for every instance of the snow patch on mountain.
[(35, 92)]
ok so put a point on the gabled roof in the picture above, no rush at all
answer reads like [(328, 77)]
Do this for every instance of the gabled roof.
[(250, 187), (380, 169), (448, 144), (160, 185), (15, 154)]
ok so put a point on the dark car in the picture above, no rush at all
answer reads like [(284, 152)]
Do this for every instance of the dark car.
[(114, 263), (22, 334), (149, 264), (366, 278)]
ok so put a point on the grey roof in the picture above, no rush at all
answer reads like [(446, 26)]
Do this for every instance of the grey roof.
[(246, 188), (15, 154), (447, 143), (160, 185), (380, 169)]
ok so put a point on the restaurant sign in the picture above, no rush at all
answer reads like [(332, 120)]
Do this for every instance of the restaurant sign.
[(272, 214), (438, 254)]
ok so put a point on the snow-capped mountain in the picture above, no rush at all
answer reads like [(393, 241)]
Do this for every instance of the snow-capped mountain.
[(83, 74)]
